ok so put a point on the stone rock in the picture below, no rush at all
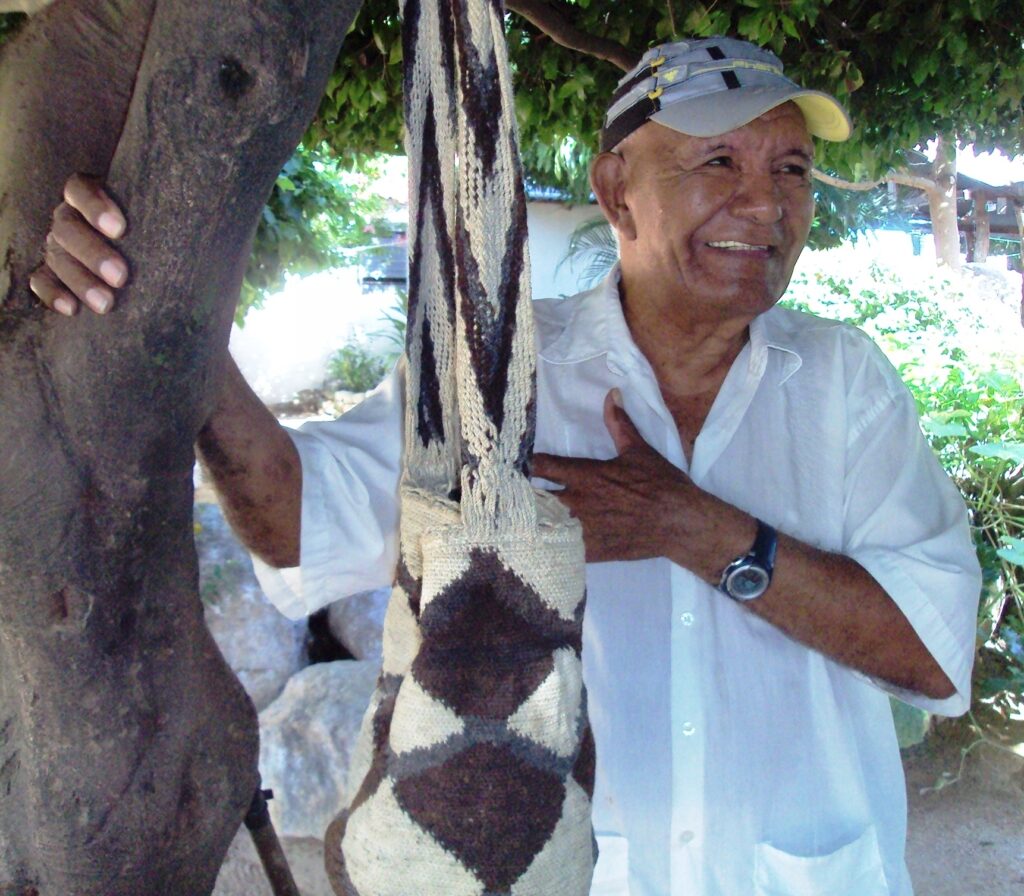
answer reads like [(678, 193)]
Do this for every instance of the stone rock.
[(358, 622), (243, 875), (307, 737), (263, 647)]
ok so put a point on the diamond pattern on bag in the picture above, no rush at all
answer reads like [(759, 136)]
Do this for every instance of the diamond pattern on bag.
[(490, 809)]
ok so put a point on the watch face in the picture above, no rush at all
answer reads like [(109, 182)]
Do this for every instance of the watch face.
[(747, 582)]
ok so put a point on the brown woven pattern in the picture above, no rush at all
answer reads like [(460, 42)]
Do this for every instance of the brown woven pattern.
[(476, 769)]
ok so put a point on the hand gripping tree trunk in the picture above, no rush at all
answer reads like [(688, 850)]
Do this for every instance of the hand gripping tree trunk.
[(127, 748)]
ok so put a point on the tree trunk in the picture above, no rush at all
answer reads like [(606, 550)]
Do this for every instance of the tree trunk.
[(127, 748), (942, 204), (1018, 211), (982, 238)]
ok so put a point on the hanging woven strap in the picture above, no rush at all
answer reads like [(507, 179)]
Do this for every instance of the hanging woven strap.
[(475, 771)]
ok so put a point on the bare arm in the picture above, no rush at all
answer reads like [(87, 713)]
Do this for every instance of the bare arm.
[(251, 459), (255, 469), (638, 505)]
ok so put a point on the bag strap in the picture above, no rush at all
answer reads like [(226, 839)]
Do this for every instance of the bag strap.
[(470, 345)]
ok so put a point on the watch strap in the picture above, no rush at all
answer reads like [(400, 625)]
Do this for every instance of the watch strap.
[(749, 575), (762, 551)]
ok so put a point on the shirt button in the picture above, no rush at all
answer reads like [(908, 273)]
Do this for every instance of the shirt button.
[(686, 837), (686, 619), (688, 728)]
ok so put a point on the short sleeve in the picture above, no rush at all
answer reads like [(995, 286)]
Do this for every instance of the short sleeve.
[(350, 505), (908, 526)]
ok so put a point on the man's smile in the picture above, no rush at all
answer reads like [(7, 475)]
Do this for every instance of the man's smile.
[(735, 245)]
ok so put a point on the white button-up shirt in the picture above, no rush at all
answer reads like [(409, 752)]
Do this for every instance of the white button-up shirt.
[(732, 760)]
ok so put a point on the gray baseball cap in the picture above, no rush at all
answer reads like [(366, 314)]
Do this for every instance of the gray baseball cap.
[(711, 86)]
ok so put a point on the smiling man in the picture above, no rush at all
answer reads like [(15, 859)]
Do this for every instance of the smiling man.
[(799, 552), (772, 547)]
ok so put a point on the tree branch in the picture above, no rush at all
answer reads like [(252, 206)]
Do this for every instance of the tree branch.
[(862, 186), (902, 177), (563, 32)]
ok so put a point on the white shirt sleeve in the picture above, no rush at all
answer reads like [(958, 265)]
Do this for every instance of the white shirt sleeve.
[(907, 525), (350, 505)]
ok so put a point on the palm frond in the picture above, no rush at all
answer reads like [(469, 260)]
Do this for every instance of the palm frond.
[(592, 251)]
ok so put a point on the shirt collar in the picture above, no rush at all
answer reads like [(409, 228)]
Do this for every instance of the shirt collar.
[(771, 331), (596, 326)]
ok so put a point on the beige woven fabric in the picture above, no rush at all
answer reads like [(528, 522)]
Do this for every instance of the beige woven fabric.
[(475, 773)]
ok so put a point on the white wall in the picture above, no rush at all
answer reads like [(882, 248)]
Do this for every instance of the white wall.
[(284, 346), (551, 224)]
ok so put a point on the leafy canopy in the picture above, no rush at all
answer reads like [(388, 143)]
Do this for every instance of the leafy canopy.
[(318, 211), (959, 69)]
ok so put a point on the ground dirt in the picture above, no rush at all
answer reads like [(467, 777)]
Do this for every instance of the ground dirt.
[(966, 838)]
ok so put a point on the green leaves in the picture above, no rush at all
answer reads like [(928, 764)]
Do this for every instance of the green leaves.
[(355, 368), (593, 250), (1012, 550), (938, 428), (361, 111), (1011, 451), (319, 208), (958, 69), (952, 72), (845, 214)]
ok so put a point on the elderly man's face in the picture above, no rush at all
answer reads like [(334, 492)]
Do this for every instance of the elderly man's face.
[(718, 220)]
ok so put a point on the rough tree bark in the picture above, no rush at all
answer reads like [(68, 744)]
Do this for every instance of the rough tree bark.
[(127, 749), (555, 25), (942, 204), (1018, 211), (981, 239)]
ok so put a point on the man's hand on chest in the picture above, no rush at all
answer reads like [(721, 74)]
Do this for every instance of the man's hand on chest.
[(638, 505)]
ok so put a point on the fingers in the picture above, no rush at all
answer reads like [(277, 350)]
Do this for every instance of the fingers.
[(80, 240), (79, 264), (569, 472), (548, 466), (621, 428), (76, 278), (51, 292), (558, 473), (85, 195)]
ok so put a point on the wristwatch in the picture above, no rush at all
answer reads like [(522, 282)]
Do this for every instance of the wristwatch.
[(749, 576)]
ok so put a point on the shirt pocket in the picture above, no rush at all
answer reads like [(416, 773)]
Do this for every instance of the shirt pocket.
[(852, 870), (611, 873)]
